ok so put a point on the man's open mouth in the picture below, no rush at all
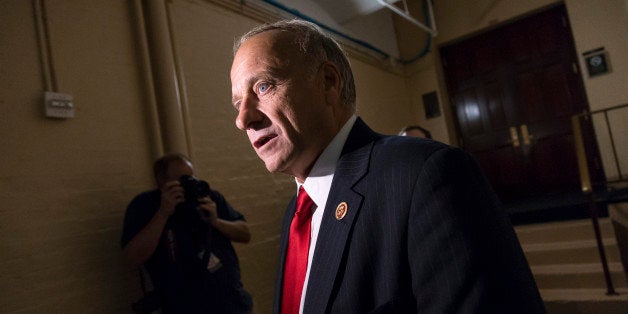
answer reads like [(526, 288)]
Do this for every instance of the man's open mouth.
[(263, 140)]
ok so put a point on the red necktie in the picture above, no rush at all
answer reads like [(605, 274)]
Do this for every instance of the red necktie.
[(296, 257)]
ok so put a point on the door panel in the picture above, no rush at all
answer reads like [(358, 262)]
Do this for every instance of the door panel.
[(469, 112), (495, 103), (514, 90), (555, 80), (531, 96)]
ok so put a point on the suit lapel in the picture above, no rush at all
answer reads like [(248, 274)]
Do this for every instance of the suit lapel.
[(334, 233)]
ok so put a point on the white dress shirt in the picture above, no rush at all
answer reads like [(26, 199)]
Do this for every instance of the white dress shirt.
[(317, 185)]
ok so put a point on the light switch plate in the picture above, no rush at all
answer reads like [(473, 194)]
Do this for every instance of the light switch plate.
[(59, 105)]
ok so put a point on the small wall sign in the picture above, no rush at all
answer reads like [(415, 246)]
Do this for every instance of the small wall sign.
[(430, 104), (597, 62)]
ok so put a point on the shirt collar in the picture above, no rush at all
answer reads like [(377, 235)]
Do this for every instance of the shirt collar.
[(318, 182)]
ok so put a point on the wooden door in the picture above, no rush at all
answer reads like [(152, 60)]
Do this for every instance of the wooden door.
[(513, 90)]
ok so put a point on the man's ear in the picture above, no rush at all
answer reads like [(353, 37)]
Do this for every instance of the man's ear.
[(332, 81)]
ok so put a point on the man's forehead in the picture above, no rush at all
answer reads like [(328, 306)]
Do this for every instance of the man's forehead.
[(265, 52), (279, 43)]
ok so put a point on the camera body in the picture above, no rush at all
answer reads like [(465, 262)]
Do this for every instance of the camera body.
[(186, 213), (194, 189)]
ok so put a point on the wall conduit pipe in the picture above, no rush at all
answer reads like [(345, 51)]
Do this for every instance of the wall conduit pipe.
[(165, 78), (45, 51), (150, 105)]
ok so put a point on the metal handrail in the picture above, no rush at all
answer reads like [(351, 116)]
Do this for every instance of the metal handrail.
[(587, 186), (605, 112)]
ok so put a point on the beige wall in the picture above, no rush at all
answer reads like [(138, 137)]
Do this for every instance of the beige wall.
[(381, 98), (66, 183), (605, 24), (602, 24), (422, 77), (594, 24)]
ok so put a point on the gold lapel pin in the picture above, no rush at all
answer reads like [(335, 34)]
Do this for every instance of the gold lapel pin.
[(341, 211)]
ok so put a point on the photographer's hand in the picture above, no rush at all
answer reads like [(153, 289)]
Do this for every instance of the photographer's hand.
[(171, 195), (207, 209), (237, 231)]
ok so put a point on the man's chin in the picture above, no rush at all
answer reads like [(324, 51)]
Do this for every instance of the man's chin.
[(274, 167), (271, 165)]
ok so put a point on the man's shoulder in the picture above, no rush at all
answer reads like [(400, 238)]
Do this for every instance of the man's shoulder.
[(138, 213), (398, 150), (147, 196), (404, 147), (144, 201)]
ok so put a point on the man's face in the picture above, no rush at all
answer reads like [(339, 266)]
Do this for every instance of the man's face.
[(281, 103)]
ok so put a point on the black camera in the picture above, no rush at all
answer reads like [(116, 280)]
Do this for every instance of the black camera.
[(194, 189)]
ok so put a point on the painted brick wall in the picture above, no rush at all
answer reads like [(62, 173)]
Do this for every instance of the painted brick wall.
[(65, 184)]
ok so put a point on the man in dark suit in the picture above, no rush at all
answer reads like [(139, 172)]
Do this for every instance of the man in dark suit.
[(398, 224)]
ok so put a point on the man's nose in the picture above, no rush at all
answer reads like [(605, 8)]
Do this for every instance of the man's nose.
[(249, 114)]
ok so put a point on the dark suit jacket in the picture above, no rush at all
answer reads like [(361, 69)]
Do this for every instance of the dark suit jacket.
[(423, 232)]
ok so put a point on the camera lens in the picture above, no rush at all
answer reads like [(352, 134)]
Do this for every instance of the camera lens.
[(194, 188)]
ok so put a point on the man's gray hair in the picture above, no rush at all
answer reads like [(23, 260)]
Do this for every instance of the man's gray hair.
[(314, 44)]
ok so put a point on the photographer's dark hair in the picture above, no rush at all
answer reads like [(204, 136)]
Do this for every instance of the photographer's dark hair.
[(160, 167)]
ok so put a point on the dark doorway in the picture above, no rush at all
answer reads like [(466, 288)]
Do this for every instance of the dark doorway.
[(514, 90)]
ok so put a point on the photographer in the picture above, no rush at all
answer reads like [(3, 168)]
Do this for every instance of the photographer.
[(181, 233)]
